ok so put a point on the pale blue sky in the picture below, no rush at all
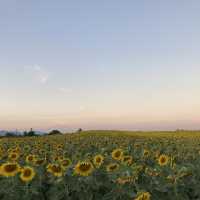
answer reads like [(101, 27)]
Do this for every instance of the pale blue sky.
[(99, 64)]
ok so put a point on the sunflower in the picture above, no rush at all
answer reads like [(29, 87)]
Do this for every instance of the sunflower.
[(144, 196), (136, 145), (56, 158), (65, 163), (146, 153), (39, 161), (27, 174), (98, 160), (55, 169), (83, 168), (13, 156), (112, 167), (127, 160), (163, 160), (59, 146), (16, 150), (1, 149), (30, 158), (117, 154), (151, 172), (9, 169), (124, 180)]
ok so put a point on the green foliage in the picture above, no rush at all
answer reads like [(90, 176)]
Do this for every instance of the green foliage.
[(55, 132), (30, 133)]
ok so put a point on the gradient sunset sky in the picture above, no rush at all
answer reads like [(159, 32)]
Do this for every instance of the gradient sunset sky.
[(106, 64)]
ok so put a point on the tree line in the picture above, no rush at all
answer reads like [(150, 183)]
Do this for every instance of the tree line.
[(31, 133)]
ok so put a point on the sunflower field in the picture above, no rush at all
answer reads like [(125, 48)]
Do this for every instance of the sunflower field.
[(101, 166)]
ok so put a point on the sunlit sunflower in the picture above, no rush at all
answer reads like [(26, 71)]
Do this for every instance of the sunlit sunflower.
[(55, 169), (27, 174), (13, 156), (144, 196), (117, 154), (163, 160), (83, 168), (98, 160), (9, 169), (112, 167), (127, 160)]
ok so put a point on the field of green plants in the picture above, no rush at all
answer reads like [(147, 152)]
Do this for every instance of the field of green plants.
[(101, 165)]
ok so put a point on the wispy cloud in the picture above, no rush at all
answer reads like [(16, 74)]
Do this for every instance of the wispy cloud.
[(39, 73)]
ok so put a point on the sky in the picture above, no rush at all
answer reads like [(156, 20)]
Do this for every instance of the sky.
[(106, 64)]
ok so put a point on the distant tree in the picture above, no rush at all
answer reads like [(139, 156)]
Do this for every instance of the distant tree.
[(30, 133), (25, 133), (10, 134), (55, 132), (79, 130)]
